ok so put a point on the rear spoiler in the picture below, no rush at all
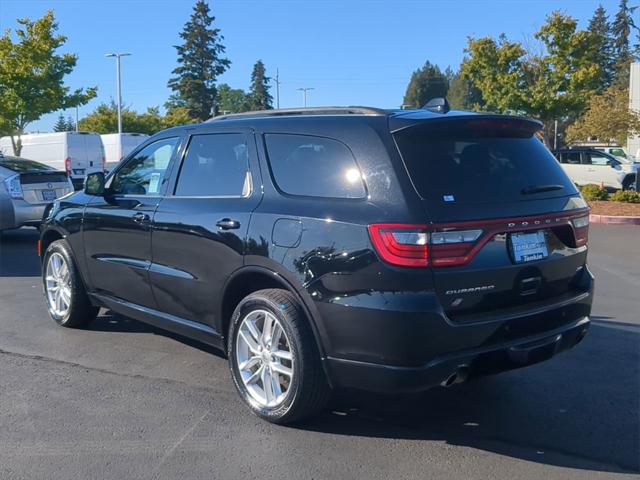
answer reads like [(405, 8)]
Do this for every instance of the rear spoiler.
[(470, 122)]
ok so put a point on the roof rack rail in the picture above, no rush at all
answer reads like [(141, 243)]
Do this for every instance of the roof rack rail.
[(303, 111)]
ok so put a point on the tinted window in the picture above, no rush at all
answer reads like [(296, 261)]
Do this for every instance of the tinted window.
[(21, 165), (571, 157), (314, 166), (215, 164), (456, 163), (143, 174)]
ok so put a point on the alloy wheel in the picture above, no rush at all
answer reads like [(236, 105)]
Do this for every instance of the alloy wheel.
[(264, 358), (58, 285)]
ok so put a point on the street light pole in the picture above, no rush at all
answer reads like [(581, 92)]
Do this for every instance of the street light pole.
[(304, 91), (118, 86), (277, 88)]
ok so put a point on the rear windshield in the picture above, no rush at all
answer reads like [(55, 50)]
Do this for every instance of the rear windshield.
[(21, 165), (476, 162)]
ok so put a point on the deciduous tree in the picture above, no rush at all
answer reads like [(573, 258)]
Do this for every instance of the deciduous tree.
[(32, 76)]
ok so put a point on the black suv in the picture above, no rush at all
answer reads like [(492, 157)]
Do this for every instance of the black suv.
[(381, 250)]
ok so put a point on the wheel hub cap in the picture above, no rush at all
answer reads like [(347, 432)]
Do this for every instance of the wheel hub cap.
[(58, 284), (264, 358)]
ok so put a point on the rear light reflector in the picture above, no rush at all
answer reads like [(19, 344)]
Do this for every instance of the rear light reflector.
[(455, 236)]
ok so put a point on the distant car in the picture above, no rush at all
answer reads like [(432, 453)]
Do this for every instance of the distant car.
[(609, 148), (26, 188), (77, 153), (588, 165), (119, 145)]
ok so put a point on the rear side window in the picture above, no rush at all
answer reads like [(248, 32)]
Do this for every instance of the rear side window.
[(467, 163), (215, 165), (313, 166), (572, 158)]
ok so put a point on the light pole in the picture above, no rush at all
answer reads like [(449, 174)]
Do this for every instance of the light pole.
[(118, 86), (304, 91)]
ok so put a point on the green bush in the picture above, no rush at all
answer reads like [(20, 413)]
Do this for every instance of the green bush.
[(594, 192), (628, 196)]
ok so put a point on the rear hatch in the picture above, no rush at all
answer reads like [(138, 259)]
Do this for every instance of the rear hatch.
[(507, 229)]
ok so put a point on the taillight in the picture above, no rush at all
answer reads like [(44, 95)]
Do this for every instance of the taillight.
[(399, 244), (581, 230), (416, 246), (14, 187), (67, 165)]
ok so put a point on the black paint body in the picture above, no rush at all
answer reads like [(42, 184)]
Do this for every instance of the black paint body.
[(377, 326)]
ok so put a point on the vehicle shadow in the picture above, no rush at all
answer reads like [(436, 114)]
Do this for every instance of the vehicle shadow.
[(579, 410), (18, 253)]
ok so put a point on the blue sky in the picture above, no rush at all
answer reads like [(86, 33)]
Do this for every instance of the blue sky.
[(353, 52)]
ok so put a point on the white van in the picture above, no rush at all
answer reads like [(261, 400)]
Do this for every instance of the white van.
[(77, 153), (119, 145)]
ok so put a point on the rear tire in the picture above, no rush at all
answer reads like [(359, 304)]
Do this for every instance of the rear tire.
[(300, 393), (64, 290)]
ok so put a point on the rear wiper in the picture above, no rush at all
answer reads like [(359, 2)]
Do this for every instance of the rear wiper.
[(539, 189)]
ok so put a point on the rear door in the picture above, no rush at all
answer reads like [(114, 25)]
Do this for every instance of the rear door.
[(200, 228), (506, 226)]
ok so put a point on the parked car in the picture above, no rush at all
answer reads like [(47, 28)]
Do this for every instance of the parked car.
[(26, 187), (388, 251), (610, 148), (119, 145), (588, 165), (77, 153)]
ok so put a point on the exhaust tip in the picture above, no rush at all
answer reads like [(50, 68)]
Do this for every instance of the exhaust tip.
[(458, 376), (450, 380)]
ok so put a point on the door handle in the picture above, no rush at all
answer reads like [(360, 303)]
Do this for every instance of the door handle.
[(140, 217), (227, 224)]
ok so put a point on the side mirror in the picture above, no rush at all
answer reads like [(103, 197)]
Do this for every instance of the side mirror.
[(94, 184)]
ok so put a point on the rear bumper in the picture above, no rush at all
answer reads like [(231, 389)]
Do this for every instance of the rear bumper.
[(18, 213), (454, 368), (406, 342)]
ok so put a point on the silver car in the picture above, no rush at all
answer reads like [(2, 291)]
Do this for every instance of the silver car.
[(26, 187)]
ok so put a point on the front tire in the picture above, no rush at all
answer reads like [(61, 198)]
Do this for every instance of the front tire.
[(274, 360), (64, 291)]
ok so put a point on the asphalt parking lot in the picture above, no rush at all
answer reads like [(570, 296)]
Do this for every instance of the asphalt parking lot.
[(124, 400)]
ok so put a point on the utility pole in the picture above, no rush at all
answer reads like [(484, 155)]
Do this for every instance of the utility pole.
[(555, 134), (118, 86), (277, 88), (304, 91)]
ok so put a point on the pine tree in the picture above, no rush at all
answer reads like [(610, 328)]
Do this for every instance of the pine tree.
[(259, 96), (200, 63), (599, 26), (426, 83), (60, 125), (71, 125), (621, 29)]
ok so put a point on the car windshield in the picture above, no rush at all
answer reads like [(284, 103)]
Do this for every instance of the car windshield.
[(22, 165)]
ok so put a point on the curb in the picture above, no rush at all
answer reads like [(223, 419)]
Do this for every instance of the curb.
[(613, 220)]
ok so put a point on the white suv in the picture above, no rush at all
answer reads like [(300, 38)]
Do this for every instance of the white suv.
[(589, 165)]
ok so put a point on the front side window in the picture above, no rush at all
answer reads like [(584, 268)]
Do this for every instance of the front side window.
[(143, 174), (571, 157), (314, 166), (599, 159), (215, 165)]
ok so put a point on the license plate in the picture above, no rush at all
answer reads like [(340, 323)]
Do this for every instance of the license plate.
[(528, 247), (78, 171), (48, 194)]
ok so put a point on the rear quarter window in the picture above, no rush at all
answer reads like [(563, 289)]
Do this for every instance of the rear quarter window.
[(306, 165)]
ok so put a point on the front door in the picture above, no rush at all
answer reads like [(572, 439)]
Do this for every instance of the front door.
[(117, 226), (601, 169), (199, 229)]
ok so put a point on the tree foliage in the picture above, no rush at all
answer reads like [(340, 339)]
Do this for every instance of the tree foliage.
[(61, 124), (232, 100), (259, 96), (32, 76), (600, 28), (426, 83), (555, 83), (200, 63), (104, 119), (463, 95), (607, 118), (621, 29)]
